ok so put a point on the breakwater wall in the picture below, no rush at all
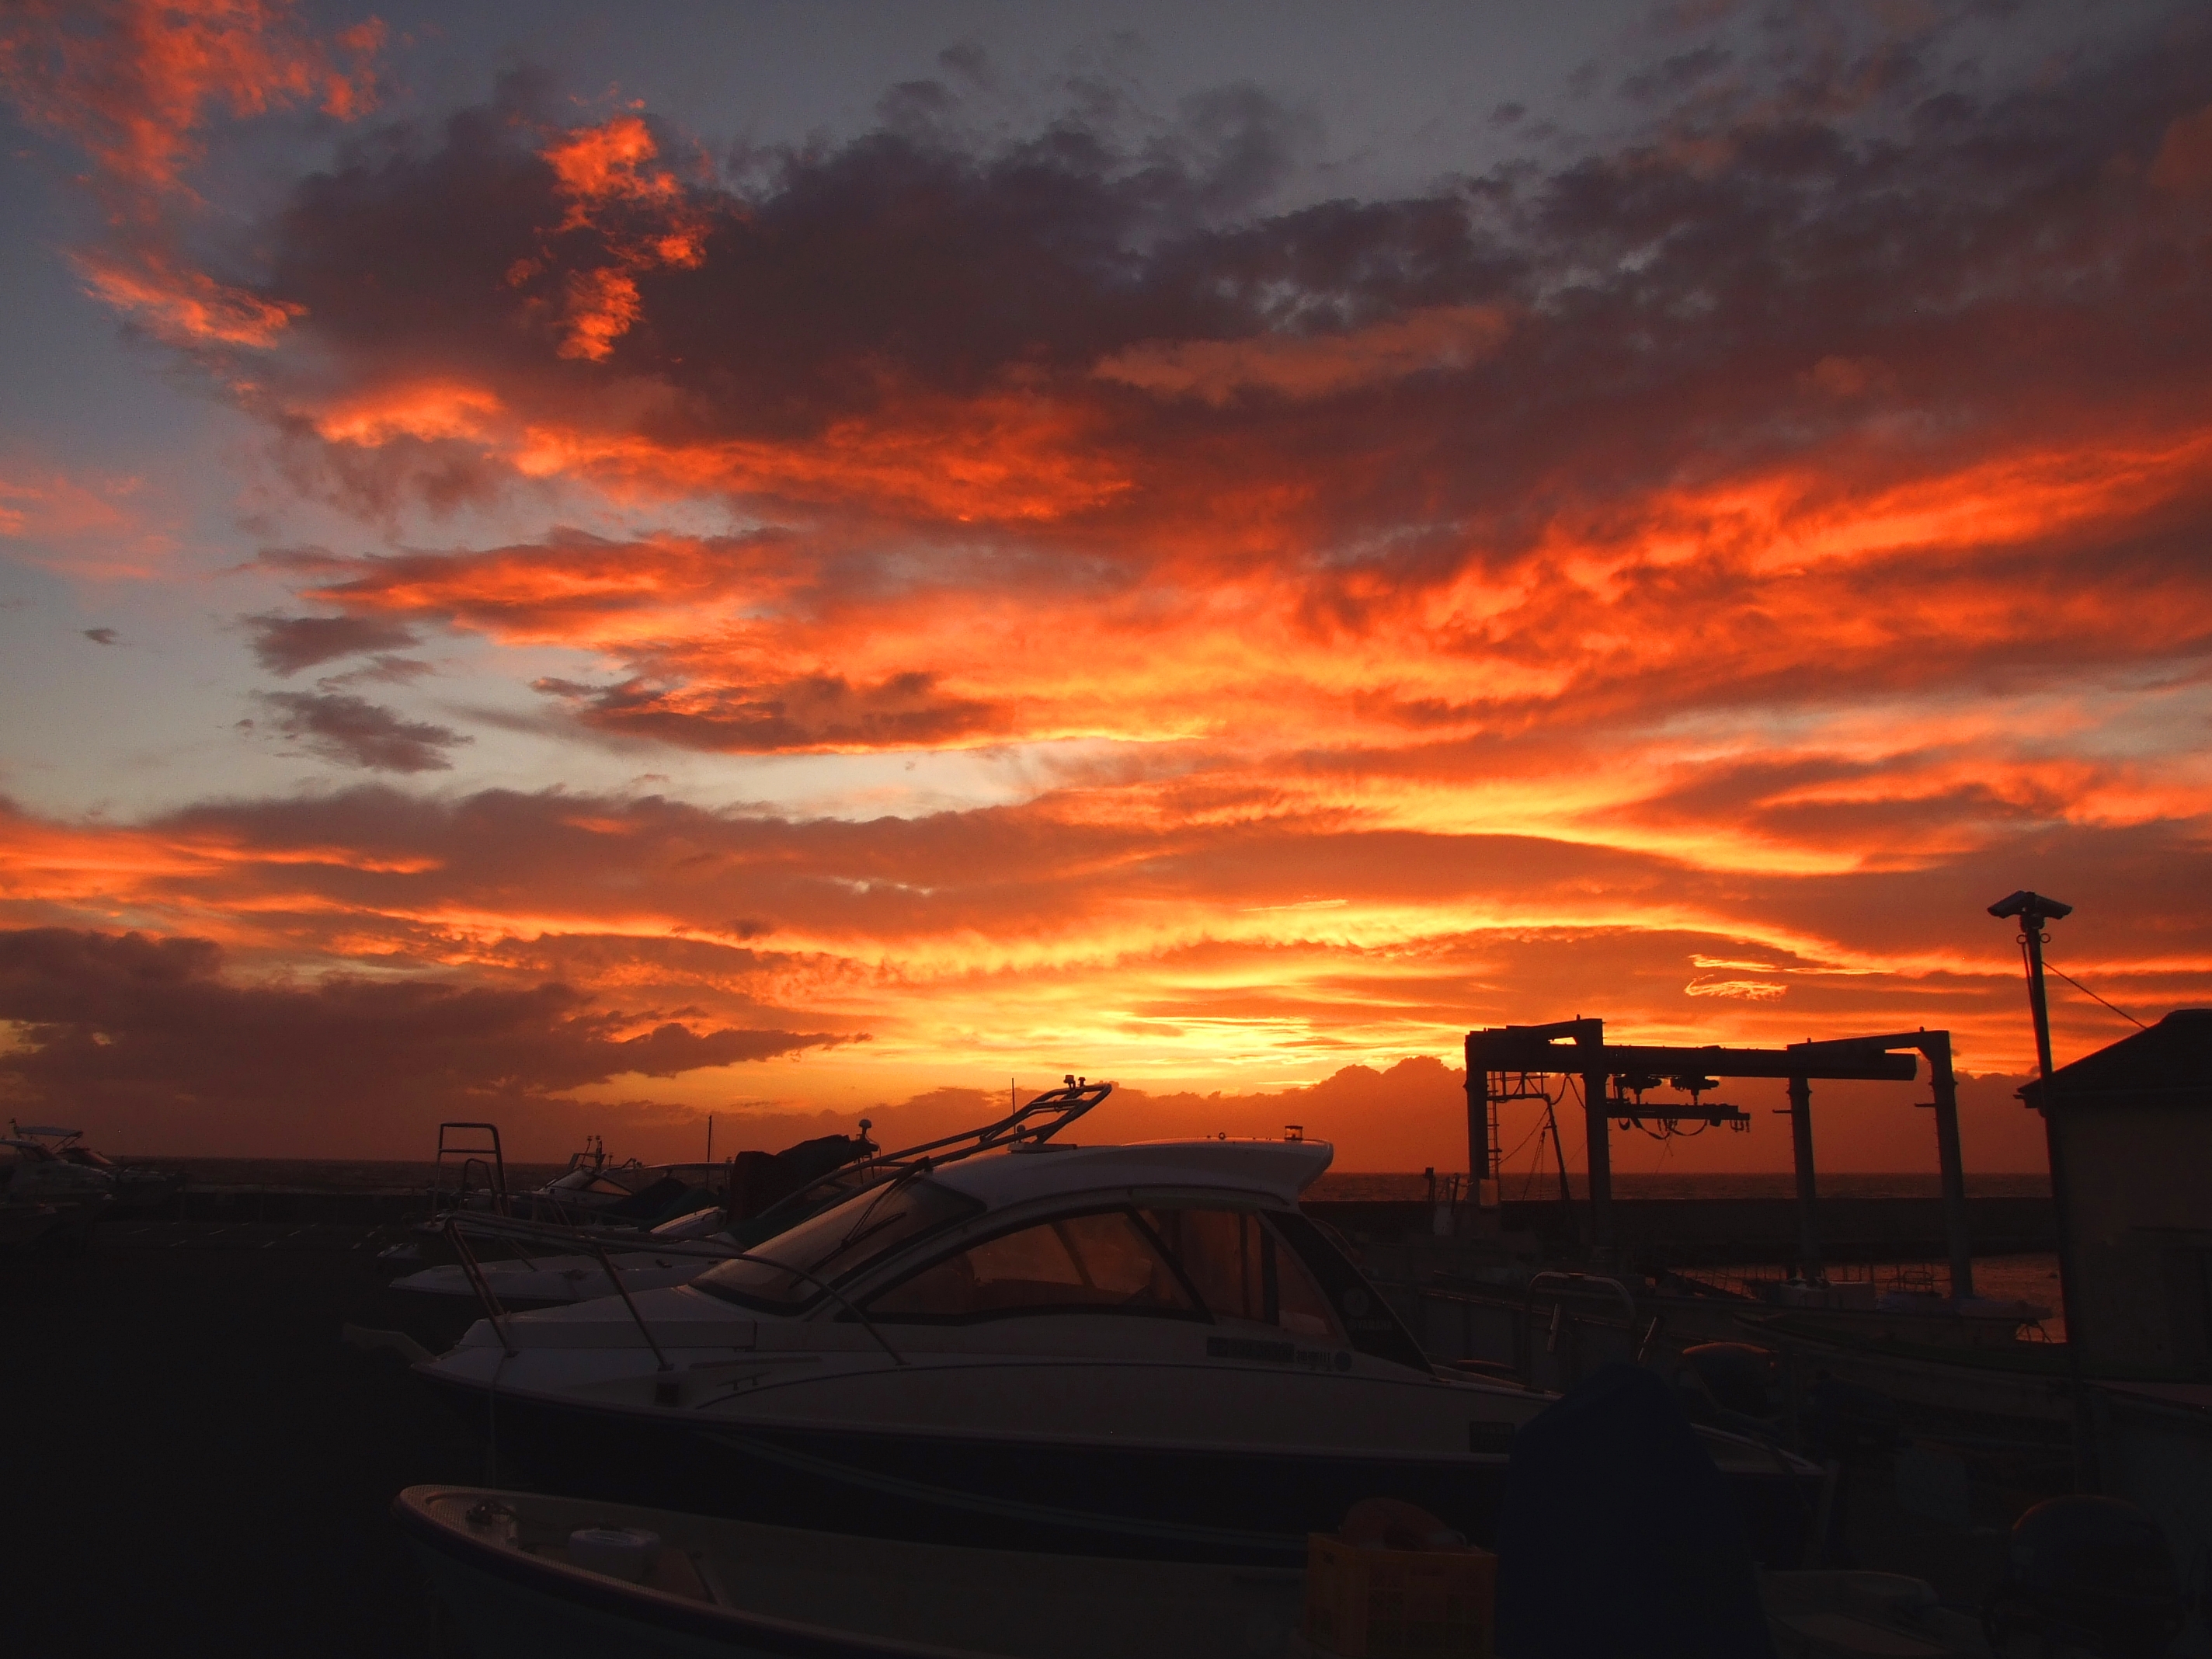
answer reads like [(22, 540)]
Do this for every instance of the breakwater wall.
[(306, 1206), (1655, 1232), (1688, 1232)]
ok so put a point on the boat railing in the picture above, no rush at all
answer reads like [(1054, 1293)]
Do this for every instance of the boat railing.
[(1063, 1105), (622, 1291), (1568, 1284), (472, 1270), (472, 1158), (1037, 1119), (599, 1243)]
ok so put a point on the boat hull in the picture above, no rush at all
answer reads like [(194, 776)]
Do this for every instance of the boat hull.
[(500, 1572), (502, 1610), (2020, 1384), (1253, 1506), (557, 1281)]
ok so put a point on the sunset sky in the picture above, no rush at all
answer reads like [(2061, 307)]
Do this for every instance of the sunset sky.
[(588, 566)]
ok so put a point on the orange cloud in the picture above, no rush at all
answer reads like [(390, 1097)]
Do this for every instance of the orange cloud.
[(134, 85), (1213, 641), (97, 527), (604, 173), (2183, 161), (1008, 457), (605, 164), (181, 306), (1250, 948), (426, 410), (133, 82), (1890, 590)]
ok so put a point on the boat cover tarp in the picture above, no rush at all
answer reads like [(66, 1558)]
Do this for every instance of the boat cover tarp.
[(1619, 1536), (759, 1179)]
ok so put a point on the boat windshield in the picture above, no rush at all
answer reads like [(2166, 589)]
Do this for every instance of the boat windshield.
[(835, 1244)]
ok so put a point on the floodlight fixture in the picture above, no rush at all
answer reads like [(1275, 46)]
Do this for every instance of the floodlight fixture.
[(2025, 903)]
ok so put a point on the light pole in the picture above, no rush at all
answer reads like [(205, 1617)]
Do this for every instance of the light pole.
[(2032, 910)]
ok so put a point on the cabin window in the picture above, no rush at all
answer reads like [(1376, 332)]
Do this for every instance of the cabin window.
[(1233, 1258), (835, 1244), (1100, 1262), (1367, 1319)]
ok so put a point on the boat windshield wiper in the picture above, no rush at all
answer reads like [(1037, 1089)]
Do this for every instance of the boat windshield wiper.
[(859, 1229)]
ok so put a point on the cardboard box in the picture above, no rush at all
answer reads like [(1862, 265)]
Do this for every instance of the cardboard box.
[(1400, 1604)]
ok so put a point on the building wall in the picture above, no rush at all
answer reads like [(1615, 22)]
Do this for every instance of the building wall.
[(2143, 1298)]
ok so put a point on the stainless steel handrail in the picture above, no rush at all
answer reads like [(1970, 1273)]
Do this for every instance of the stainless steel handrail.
[(473, 1271), (503, 1228), (622, 1291), (1527, 1343)]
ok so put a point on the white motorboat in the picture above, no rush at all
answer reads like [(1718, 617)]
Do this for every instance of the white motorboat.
[(595, 1191), (548, 1270), (1125, 1350)]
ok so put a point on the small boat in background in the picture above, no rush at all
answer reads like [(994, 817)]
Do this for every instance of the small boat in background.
[(33, 1174), (595, 1192), (136, 1187), (538, 1577), (769, 1192)]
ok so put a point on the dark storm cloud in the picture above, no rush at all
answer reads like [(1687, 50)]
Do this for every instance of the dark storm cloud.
[(354, 732), (900, 261), (285, 645), (380, 671), (1844, 278), (109, 1020)]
